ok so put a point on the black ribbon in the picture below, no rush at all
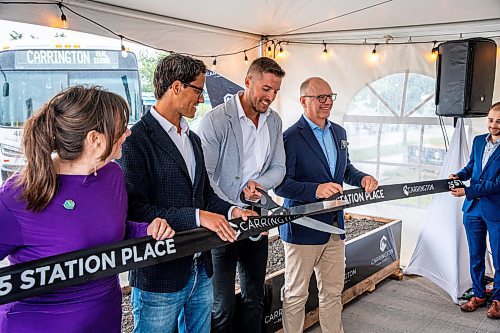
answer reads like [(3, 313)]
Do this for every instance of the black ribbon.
[(44, 275), (358, 197)]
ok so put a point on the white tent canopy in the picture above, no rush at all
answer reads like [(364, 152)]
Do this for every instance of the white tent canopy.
[(220, 27), (207, 28)]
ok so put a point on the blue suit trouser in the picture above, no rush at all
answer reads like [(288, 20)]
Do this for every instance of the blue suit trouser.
[(476, 228)]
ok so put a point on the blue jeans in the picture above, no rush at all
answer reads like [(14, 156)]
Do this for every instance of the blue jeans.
[(476, 228), (188, 309), (251, 259)]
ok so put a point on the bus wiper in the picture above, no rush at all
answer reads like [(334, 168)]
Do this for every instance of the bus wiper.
[(29, 107), (127, 90), (5, 87)]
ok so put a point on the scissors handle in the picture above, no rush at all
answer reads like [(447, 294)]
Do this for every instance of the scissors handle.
[(265, 201)]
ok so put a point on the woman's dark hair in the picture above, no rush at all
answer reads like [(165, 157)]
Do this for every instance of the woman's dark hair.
[(61, 126)]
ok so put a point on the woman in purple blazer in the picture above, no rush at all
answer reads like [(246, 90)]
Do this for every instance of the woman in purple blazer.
[(70, 196)]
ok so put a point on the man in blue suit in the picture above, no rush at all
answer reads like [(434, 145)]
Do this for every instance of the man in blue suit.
[(317, 164), (481, 211)]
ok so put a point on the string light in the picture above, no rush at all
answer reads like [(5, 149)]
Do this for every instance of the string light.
[(124, 50), (325, 51), (246, 58), (374, 56), (214, 64), (64, 20), (264, 39), (269, 48), (434, 51), (281, 53)]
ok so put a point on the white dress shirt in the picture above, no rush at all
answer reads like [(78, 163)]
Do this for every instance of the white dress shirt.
[(185, 147), (256, 145), (183, 144)]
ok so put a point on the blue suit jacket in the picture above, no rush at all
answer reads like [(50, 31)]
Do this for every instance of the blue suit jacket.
[(484, 184), (159, 185), (306, 168)]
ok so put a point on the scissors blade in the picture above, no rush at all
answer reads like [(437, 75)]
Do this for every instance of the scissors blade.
[(318, 207), (318, 225)]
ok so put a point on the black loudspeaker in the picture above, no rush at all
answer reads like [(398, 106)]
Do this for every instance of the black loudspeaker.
[(465, 77)]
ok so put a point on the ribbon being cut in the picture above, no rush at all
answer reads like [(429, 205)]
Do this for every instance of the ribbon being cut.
[(41, 276)]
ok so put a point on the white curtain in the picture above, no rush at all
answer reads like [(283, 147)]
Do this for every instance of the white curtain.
[(441, 252)]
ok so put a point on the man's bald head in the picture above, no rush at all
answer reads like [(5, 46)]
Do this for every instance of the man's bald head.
[(305, 87)]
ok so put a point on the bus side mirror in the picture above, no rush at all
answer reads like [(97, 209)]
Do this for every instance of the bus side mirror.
[(5, 89)]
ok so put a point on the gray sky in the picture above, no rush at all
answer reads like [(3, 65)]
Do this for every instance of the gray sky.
[(45, 36)]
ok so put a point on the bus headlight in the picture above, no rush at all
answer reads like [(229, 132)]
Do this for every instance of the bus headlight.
[(10, 151)]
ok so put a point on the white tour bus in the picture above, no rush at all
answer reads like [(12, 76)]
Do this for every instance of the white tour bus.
[(29, 77)]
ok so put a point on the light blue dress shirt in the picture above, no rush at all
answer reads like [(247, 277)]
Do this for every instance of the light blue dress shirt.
[(325, 140), (489, 149)]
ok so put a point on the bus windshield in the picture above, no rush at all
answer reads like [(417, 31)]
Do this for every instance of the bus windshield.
[(30, 77), (29, 90)]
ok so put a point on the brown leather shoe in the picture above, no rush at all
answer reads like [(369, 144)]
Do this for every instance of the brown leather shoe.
[(473, 304), (494, 310)]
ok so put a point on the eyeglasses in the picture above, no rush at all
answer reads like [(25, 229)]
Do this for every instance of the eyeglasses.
[(198, 89), (323, 98)]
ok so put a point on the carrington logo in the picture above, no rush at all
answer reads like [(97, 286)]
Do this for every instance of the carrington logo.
[(383, 243), (407, 190)]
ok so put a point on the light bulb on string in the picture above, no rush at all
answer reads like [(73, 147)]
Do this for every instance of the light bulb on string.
[(64, 20), (434, 51), (124, 50), (325, 51), (214, 64), (270, 49), (281, 53), (374, 56), (246, 57)]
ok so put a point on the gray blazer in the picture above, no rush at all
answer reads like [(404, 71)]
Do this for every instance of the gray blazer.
[(222, 141)]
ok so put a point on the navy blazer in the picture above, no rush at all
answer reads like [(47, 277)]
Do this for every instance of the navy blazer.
[(484, 183), (306, 168), (158, 185)]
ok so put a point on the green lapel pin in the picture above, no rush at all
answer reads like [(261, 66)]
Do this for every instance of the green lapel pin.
[(69, 204)]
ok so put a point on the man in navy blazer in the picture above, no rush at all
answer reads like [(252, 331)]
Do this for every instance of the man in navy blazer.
[(317, 164), (166, 176), (481, 211)]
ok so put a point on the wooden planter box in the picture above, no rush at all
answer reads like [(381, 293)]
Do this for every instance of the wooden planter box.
[(370, 258)]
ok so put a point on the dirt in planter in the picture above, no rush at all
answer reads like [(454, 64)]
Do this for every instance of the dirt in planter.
[(354, 228), (275, 262), (127, 317)]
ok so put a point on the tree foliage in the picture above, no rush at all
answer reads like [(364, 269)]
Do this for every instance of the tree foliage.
[(147, 64)]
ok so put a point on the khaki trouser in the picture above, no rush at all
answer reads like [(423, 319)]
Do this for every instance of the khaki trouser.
[(327, 262)]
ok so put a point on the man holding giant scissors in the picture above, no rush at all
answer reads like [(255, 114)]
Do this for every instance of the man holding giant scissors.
[(317, 164)]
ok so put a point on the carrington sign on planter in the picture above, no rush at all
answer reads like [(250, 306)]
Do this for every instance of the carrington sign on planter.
[(365, 256)]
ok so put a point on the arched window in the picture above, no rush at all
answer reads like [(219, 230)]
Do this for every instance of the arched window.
[(393, 131)]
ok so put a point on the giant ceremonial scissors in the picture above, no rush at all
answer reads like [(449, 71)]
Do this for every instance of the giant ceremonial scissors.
[(320, 207)]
